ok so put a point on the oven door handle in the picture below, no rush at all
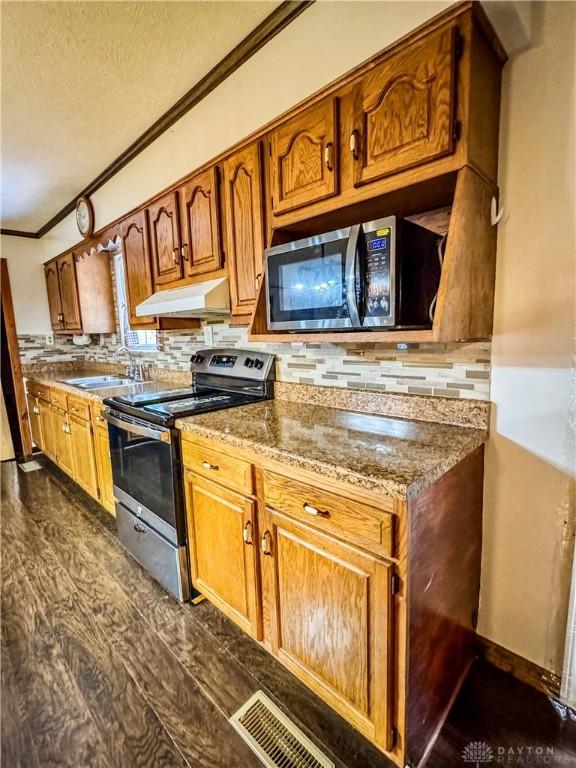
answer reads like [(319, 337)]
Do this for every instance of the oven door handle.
[(138, 429), (350, 275)]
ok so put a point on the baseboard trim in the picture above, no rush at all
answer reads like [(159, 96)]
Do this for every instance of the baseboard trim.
[(522, 669)]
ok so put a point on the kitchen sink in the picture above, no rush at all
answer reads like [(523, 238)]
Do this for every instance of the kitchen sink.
[(98, 382)]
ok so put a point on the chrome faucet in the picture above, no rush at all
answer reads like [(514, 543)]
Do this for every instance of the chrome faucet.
[(133, 370)]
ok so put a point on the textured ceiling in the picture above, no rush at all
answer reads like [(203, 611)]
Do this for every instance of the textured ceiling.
[(82, 80)]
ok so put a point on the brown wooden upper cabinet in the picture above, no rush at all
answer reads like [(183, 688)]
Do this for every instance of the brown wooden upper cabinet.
[(304, 157), (201, 248), (136, 251), (69, 292), (404, 109), (54, 299), (79, 285), (244, 227), (165, 239)]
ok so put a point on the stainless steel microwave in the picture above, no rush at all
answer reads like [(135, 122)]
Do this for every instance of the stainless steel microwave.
[(382, 273)]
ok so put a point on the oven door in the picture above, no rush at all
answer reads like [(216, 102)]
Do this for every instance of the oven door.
[(313, 283), (144, 471)]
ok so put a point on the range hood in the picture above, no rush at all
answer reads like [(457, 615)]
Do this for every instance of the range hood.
[(200, 300)]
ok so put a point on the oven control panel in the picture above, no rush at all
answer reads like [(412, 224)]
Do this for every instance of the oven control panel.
[(255, 365)]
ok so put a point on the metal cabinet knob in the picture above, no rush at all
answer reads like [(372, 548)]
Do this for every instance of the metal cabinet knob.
[(207, 465), (328, 158), (315, 511), (247, 533), (266, 543), (353, 144)]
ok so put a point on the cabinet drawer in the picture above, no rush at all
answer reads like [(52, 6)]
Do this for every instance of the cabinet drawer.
[(39, 390), (79, 407), (351, 520), (217, 466), (59, 399)]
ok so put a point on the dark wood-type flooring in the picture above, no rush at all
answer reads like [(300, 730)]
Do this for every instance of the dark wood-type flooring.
[(101, 669)]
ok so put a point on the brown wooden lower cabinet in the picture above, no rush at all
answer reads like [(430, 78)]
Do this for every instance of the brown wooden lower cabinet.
[(47, 429), (331, 622), (222, 529), (103, 465), (35, 420), (62, 440), (367, 599), (71, 432), (83, 459)]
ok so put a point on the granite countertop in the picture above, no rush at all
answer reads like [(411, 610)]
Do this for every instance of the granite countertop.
[(398, 457), (56, 380)]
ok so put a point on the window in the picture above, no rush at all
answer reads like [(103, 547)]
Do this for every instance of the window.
[(138, 340)]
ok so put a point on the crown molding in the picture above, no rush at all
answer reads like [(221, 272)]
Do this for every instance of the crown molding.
[(19, 233), (274, 23)]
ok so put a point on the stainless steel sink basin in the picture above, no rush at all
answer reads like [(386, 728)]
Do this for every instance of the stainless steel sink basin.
[(98, 382)]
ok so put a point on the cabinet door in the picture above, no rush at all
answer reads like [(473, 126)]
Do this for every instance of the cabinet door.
[(222, 541), (62, 441), (199, 222), (404, 109), (165, 239), (104, 468), (47, 429), (83, 459), (244, 227), (34, 419), (69, 292), (136, 251), (304, 157), (332, 616), (54, 299)]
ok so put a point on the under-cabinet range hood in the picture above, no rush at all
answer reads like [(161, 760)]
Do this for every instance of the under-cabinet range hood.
[(211, 297)]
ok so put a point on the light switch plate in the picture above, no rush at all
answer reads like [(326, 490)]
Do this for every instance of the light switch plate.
[(208, 334)]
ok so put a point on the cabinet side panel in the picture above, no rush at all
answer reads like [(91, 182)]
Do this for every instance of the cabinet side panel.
[(445, 544)]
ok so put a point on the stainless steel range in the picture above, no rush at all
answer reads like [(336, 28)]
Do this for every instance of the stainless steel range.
[(146, 461)]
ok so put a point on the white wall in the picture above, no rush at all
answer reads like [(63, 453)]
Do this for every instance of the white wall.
[(25, 257), (529, 491)]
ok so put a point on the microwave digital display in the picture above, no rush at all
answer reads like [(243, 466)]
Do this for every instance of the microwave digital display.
[(376, 245)]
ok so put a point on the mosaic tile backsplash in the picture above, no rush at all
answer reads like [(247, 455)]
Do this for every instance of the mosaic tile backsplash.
[(446, 370)]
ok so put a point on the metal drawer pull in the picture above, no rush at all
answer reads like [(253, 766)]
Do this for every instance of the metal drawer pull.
[(353, 144), (207, 465), (183, 250), (265, 544), (139, 528), (75, 409), (247, 533), (175, 256), (315, 511), (328, 156)]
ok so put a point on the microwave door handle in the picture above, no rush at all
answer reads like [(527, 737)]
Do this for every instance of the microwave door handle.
[(350, 275)]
